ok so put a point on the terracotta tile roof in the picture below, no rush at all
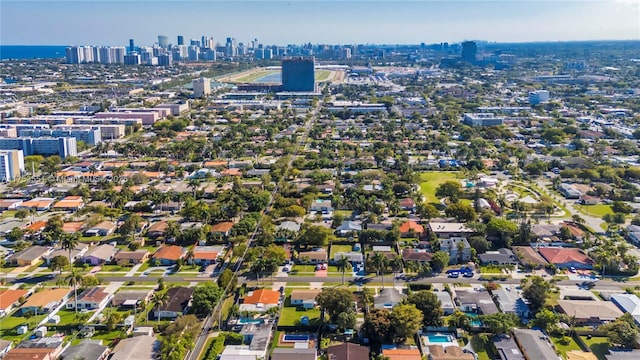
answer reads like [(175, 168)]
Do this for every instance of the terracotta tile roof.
[(170, 252), (232, 172), (205, 255), (556, 255), (217, 163), (36, 226), (411, 225), (298, 294), (222, 227), (262, 296), (402, 354), (38, 203), (9, 297), (95, 294), (45, 297), (72, 226), (29, 354), (70, 202)]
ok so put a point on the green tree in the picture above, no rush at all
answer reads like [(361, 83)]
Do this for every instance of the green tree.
[(205, 298), (380, 262), (500, 323), (502, 228), (73, 279), (462, 212), (450, 189), (547, 320), (440, 260), (406, 320), (377, 326), (622, 332), (159, 299), (427, 211), (275, 253), (428, 303), (16, 234), (343, 265), (227, 278), (346, 320), (316, 236), (535, 291), (334, 301), (58, 263)]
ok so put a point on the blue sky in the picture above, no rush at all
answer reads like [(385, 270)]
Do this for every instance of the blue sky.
[(104, 22)]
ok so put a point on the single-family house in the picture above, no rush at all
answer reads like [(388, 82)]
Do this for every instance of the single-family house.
[(45, 348), (569, 191), (321, 206), (354, 257), (157, 229), (628, 303), (589, 312), (260, 300), (91, 298), (9, 298), (349, 227), (143, 347), (510, 301), (131, 299), (39, 204), (529, 257), (445, 230), (407, 204), (534, 345), (304, 298), (35, 227), (205, 255), (418, 255), (223, 228), (502, 256), (439, 352), (507, 348), (29, 256), (589, 200), (564, 258), (99, 255), (312, 257), (179, 301), (88, 350), (388, 298), (104, 228), (70, 227), (411, 228), (10, 204), (545, 232), (475, 301), (402, 354), (77, 252), (294, 354), (168, 255), (348, 351), (458, 249), (69, 203), (128, 258), (44, 301), (446, 303)]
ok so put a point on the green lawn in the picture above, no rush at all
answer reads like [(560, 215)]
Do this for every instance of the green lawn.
[(322, 75), (598, 210), (255, 76), (107, 337), (599, 346), (572, 345), (345, 213), (8, 325), (290, 316), (339, 248), (480, 348), (431, 180)]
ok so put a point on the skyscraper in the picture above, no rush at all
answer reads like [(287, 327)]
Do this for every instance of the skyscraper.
[(469, 51), (132, 47), (180, 40), (298, 74), (201, 87), (163, 41)]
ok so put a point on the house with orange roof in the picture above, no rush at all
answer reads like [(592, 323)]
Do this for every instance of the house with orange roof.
[(157, 229), (260, 300), (231, 172), (10, 204), (216, 164), (438, 352), (40, 204), (92, 298), (70, 203), (168, 255), (402, 354), (205, 255), (223, 228), (71, 227), (8, 299), (35, 227), (564, 258), (575, 231), (45, 300), (411, 228)]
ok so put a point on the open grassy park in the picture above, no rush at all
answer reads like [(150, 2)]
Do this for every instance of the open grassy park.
[(322, 75), (429, 182), (256, 74)]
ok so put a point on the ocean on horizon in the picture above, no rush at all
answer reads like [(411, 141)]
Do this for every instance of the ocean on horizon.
[(24, 52)]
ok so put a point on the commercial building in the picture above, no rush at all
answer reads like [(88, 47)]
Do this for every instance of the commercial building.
[(482, 119), (163, 41), (538, 97), (108, 121), (62, 146), (91, 136), (469, 51), (298, 74), (201, 87), (175, 109), (147, 118), (11, 164)]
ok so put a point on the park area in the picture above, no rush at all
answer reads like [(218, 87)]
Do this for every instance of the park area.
[(429, 182), (262, 75)]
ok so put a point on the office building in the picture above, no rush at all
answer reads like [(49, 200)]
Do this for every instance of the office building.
[(469, 51), (163, 41), (165, 60), (132, 47), (89, 136), (147, 118), (62, 146), (230, 47), (194, 53), (11, 164), (132, 59), (8, 132), (482, 119), (180, 40), (201, 87), (298, 74), (538, 97)]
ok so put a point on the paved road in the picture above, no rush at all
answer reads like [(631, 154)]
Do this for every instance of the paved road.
[(589, 221)]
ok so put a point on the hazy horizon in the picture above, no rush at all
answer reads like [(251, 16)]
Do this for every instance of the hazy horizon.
[(114, 22)]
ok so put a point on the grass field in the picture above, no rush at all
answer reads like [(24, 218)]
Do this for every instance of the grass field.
[(339, 248), (290, 315), (255, 76), (598, 210), (431, 180), (599, 346), (322, 75), (572, 345)]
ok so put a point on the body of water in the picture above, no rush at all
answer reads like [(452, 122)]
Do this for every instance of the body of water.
[(21, 52), (275, 77)]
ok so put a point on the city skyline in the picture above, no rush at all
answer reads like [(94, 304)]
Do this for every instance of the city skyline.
[(405, 22)]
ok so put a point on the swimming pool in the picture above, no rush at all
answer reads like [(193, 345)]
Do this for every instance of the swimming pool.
[(250, 321), (439, 338), (295, 337)]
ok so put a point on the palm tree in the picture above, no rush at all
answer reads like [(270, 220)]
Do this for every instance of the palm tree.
[(73, 279), (158, 299), (397, 264), (69, 242), (343, 265), (380, 262)]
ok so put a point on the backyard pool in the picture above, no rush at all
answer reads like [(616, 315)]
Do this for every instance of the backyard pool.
[(439, 338), (250, 321), (295, 337)]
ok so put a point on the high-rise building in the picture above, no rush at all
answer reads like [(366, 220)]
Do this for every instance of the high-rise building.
[(11, 164), (469, 51), (163, 41), (194, 53), (298, 74), (132, 46), (180, 40), (74, 55), (132, 59), (62, 146), (165, 59), (230, 47), (201, 87), (204, 42)]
